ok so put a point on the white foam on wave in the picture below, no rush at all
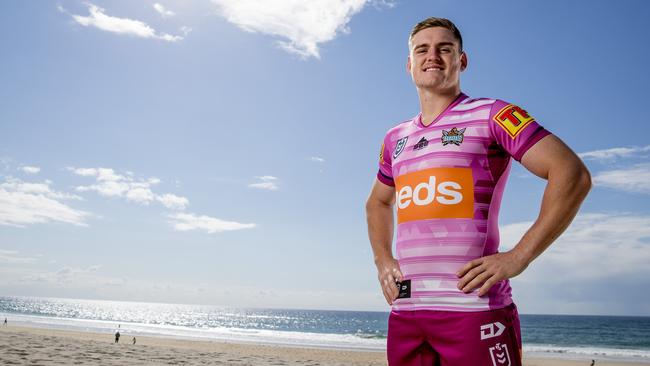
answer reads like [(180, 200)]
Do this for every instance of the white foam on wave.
[(544, 350)]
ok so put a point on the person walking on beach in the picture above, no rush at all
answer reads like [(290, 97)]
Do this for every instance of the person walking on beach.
[(445, 171), (117, 336), (133, 340), (5, 323)]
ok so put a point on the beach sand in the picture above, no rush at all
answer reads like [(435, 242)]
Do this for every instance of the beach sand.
[(39, 346)]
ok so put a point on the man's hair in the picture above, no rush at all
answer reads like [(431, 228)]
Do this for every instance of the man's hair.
[(438, 22)]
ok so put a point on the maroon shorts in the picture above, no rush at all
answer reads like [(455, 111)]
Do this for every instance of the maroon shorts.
[(454, 338)]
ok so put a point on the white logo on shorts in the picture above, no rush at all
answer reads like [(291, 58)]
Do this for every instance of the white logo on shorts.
[(492, 330), (500, 355)]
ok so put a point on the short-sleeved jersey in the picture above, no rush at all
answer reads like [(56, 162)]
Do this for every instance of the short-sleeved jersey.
[(449, 177)]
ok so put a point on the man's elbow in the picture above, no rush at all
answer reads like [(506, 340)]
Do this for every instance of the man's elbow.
[(373, 204), (573, 176), (582, 181)]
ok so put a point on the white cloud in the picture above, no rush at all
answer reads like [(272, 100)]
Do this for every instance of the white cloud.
[(23, 204), (111, 184), (595, 267), (186, 30), (165, 13), (635, 179), (317, 159), (613, 153), (12, 257), (30, 169), (173, 201), (267, 182), (186, 222), (595, 246), (64, 276), (140, 193), (303, 25), (98, 19)]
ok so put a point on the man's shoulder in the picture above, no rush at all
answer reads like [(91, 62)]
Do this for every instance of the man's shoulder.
[(401, 127), (470, 104)]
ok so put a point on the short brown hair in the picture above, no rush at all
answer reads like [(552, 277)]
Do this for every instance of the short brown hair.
[(438, 22)]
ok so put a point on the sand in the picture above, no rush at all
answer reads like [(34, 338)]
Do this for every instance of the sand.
[(39, 346)]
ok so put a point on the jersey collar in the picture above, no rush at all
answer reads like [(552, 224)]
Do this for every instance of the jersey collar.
[(418, 118)]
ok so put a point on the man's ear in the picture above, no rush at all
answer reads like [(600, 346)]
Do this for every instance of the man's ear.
[(408, 65), (463, 61)]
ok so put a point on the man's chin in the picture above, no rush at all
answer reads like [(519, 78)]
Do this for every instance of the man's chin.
[(429, 86)]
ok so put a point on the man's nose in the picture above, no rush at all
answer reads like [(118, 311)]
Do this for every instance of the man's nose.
[(433, 55)]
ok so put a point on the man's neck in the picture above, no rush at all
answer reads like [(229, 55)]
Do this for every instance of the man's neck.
[(433, 103)]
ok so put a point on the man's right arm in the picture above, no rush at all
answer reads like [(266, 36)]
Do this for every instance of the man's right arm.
[(379, 213)]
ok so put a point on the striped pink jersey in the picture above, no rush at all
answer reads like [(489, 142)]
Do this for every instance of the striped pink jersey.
[(449, 178)]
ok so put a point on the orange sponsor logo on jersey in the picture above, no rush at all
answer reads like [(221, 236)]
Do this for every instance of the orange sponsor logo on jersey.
[(513, 119), (436, 193)]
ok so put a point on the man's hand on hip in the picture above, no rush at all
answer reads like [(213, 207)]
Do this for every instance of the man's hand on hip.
[(485, 272), (389, 273)]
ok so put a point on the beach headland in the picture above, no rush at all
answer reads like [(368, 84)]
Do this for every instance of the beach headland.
[(43, 346)]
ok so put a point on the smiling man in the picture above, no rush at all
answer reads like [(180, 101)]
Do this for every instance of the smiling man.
[(445, 171)]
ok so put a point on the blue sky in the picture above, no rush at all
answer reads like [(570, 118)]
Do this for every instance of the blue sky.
[(220, 152)]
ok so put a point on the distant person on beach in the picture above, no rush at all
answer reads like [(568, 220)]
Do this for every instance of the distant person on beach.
[(445, 171), (593, 362), (5, 323), (117, 336), (133, 340)]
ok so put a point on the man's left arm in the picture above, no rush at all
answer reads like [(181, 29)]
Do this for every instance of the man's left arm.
[(568, 182)]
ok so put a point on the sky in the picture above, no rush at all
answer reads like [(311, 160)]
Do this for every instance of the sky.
[(221, 152)]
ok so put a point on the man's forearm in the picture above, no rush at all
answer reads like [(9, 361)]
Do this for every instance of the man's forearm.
[(380, 229), (567, 187)]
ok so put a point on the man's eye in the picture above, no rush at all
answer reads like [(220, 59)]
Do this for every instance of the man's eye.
[(445, 50), (421, 50)]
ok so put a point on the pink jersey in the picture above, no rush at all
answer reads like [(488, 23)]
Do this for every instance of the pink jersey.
[(449, 178)]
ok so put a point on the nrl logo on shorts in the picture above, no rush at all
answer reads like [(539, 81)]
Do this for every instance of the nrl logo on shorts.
[(401, 143), (453, 136), (500, 355)]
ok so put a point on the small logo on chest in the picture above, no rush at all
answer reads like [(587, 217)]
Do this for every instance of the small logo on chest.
[(453, 136), (421, 144), (401, 144)]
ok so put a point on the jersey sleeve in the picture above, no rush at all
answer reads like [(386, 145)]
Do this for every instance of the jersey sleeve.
[(514, 129), (385, 173)]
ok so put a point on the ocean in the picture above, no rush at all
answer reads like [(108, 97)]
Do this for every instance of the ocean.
[(566, 336)]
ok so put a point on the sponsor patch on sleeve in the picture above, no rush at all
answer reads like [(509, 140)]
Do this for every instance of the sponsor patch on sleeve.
[(513, 119)]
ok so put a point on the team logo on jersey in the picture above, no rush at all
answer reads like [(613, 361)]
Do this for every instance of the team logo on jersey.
[(513, 119), (381, 154), (435, 193), (401, 144), (453, 136), (421, 144), (500, 355)]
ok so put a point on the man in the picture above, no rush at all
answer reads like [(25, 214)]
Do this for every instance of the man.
[(445, 170)]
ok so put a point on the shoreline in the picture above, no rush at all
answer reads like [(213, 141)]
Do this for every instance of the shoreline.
[(47, 346)]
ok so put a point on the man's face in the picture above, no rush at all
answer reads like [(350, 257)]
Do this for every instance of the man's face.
[(435, 61)]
